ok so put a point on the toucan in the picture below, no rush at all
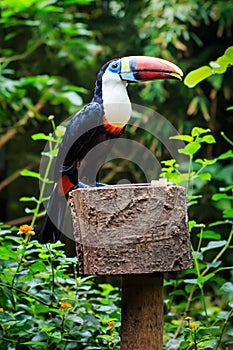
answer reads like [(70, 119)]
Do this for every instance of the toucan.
[(103, 119)]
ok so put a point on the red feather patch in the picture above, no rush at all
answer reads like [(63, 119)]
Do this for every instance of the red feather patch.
[(64, 185), (112, 129)]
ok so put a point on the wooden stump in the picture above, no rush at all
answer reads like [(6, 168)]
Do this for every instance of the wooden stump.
[(135, 231), (131, 229)]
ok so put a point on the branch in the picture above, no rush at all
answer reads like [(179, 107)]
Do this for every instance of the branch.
[(13, 131), (23, 220), (23, 55), (15, 175)]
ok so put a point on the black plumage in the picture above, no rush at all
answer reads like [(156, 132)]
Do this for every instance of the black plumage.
[(80, 157), (86, 130)]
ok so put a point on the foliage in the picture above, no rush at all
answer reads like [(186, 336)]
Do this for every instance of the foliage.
[(26, 91), (215, 67), (45, 305), (190, 33), (51, 51), (210, 243)]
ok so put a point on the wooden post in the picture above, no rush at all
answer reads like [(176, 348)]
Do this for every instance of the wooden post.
[(136, 231), (142, 316)]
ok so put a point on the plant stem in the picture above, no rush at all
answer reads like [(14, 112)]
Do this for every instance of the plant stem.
[(190, 297), (10, 286), (45, 179), (223, 329), (218, 256), (26, 241), (52, 268), (41, 196), (226, 138), (189, 172), (200, 284)]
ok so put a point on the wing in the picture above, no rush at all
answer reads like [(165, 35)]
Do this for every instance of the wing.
[(78, 135)]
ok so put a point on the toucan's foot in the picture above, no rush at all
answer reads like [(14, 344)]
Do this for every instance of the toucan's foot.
[(96, 184), (83, 185)]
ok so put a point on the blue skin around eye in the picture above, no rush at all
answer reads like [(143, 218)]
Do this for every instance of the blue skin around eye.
[(115, 70)]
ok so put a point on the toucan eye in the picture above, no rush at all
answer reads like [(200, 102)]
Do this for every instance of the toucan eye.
[(114, 65)]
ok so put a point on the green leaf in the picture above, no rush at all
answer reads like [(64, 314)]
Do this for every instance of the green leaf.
[(197, 75), (40, 308), (73, 97), (208, 139), (220, 65), (228, 213), (205, 161), (190, 149), (38, 344), (207, 344), (214, 245), (196, 131), (226, 189), (202, 279), (28, 199), (214, 264), (5, 317), (197, 255), (190, 280), (37, 267), (30, 173), (227, 287), (41, 136), (21, 4), (191, 224), (209, 234), (205, 176), (7, 254), (229, 54), (226, 155), (169, 162), (219, 196), (30, 211), (187, 138), (8, 293)]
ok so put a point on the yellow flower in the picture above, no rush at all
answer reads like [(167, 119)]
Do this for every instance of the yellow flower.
[(27, 230), (111, 324), (193, 325), (65, 304), (51, 117), (1, 309), (191, 344)]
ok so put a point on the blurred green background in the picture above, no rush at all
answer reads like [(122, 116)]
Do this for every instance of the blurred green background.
[(51, 51)]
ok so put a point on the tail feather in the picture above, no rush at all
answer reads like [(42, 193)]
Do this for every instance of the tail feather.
[(53, 221)]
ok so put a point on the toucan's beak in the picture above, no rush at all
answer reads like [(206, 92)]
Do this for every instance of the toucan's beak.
[(144, 68)]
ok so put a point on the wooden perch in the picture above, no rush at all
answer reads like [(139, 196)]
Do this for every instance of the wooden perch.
[(131, 229), (139, 232)]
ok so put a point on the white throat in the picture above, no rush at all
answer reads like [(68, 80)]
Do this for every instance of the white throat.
[(116, 102)]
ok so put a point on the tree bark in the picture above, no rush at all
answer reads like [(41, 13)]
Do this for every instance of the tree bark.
[(131, 229)]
